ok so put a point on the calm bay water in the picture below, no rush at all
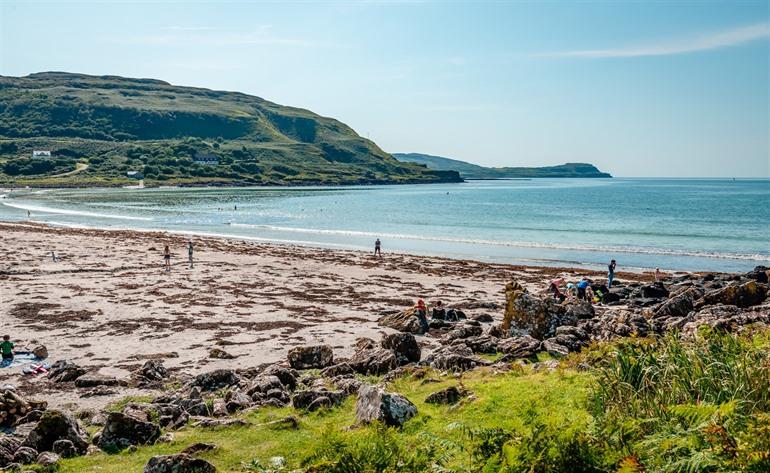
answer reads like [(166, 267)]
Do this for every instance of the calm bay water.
[(643, 223)]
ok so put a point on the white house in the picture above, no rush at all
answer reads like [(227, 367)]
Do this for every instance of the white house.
[(206, 158), (41, 154)]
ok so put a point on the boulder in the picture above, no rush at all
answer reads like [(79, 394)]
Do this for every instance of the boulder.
[(655, 290), (25, 455), (579, 310), (92, 380), (121, 430), (340, 369), (405, 321), (65, 448), (374, 404), (153, 370), (520, 347), (482, 344), (484, 318), (220, 354), (467, 329), (263, 384), (530, 315), (304, 399), (678, 305), (375, 361), (554, 348), (455, 358), (236, 401), (404, 345), (759, 274), (216, 379), (8, 447), (288, 376), (48, 461), (180, 463), (450, 395), (57, 425), (310, 357), (743, 295), (65, 371), (198, 448)]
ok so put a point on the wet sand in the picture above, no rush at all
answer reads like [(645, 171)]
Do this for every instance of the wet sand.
[(108, 304)]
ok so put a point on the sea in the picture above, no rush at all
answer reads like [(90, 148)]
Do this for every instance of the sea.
[(672, 224)]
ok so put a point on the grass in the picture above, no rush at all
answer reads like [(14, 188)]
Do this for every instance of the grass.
[(644, 405), (503, 401)]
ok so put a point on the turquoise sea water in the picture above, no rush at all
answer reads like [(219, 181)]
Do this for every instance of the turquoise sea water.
[(643, 223)]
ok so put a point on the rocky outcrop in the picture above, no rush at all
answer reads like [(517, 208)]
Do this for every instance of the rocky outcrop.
[(744, 295), (216, 379), (65, 371), (316, 399), (310, 357), (679, 305), (454, 358), (121, 431), (405, 321), (153, 370), (372, 360), (374, 404), (523, 346), (404, 345), (527, 314), (180, 463), (57, 425)]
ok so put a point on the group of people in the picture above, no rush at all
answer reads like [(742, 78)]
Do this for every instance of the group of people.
[(438, 312), (585, 289), (167, 255)]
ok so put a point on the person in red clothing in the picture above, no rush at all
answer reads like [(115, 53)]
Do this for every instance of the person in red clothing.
[(421, 311)]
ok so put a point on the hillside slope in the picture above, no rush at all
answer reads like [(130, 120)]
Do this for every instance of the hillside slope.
[(474, 171), (117, 124)]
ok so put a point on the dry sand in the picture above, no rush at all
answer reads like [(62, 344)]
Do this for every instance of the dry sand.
[(109, 305)]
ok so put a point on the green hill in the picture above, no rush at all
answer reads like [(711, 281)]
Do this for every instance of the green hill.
[(112, 125), (474, 171)]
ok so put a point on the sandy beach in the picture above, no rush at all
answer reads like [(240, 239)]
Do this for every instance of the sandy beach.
[(108, 305)]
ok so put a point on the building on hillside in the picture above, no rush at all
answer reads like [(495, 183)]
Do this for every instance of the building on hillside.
[(135, 175), (206, 158), (38, 153)]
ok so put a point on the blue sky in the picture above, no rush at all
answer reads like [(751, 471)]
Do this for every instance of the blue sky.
[(639, 89)]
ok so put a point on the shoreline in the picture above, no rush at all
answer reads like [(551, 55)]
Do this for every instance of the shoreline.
[(108, 305)]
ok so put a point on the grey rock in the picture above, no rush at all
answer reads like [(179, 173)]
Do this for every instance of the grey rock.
[(375, 404)]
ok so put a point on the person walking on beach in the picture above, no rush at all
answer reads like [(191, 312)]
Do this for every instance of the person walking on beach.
[(377, 248), (190, 252), (6, 348), (610, 273), (167, 258)]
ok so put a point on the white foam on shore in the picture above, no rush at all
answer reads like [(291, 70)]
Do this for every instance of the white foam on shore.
[(518, 244), (80, 213)]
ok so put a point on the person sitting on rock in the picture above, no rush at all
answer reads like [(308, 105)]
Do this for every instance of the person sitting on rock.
[(589, 294), (6, 348), (438, 312), (421, 311)]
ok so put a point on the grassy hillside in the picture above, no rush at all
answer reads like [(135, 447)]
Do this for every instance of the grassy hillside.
[(633, 406), (474, 171), (115, 124)]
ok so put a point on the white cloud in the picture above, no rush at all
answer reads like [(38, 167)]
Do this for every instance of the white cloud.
[(716, 40)]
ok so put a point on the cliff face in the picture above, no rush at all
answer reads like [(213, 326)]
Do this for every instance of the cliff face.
[(117, 124)]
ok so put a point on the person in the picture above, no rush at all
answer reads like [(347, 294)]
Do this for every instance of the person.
[(611, 273), (571, 291), (167, 257), (54, 257), (581, 287), (28, 214), (554, 288), (6, 348), (377, 248), (190, 252), (421, 311), (658, 275), (589, 294), (439, 312)]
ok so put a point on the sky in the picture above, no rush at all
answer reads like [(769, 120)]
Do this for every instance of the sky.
[(648, 89)]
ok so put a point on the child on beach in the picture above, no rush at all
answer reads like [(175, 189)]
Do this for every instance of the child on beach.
[(167, 258), (6, 348)]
